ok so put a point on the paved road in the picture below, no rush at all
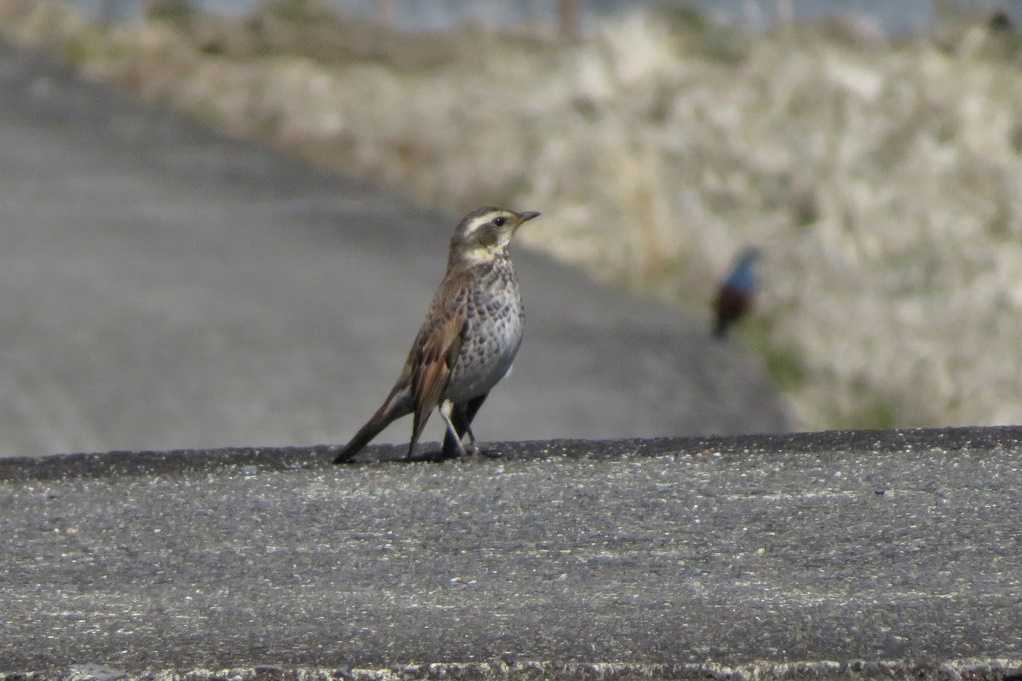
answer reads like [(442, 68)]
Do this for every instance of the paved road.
[(745, 551), (162, 287)]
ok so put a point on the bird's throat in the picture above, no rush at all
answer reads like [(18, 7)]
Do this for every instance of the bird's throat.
[(474, 255)]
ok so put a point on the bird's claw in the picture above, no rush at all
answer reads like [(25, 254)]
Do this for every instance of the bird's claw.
[(434, 456), (471, 452)]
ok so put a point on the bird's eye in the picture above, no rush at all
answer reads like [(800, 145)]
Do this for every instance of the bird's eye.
[(499, 222)]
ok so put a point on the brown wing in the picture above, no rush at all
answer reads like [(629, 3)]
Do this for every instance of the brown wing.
[(436, 349)]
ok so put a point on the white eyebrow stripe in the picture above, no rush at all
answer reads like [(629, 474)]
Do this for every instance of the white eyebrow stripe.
[(481, 220)]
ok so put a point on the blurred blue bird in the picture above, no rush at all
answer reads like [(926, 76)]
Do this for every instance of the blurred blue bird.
[(737, 292)]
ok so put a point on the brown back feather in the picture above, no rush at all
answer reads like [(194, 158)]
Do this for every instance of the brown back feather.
[(436, 348)]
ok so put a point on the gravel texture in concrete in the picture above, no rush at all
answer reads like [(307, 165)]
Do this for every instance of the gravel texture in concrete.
[(755, 553)]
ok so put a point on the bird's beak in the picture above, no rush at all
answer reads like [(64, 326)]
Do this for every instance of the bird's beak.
[(527, 215)]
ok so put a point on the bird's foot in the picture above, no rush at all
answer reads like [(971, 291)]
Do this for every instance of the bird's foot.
[(470, 452), (433, 456), (474, 451)]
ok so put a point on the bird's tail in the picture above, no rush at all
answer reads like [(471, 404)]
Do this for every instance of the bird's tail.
[(394, 407), (720, 328)]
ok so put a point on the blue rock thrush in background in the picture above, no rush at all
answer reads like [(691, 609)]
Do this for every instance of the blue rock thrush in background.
[(737, 292)]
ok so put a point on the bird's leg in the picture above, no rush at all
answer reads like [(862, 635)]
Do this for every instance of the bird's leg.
[(470, 413), (462, 415), (446, 409)]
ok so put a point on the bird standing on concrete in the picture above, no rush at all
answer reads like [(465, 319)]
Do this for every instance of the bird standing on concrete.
[(468, 341), (737, 292)]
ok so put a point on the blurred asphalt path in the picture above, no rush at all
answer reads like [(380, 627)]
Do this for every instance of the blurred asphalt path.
[(787, 556), (163, 287)]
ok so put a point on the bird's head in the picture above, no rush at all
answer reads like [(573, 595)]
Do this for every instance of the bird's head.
[(750, 255), (485, 233)]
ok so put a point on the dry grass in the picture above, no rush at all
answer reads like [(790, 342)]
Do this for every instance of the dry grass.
[(883, 181)]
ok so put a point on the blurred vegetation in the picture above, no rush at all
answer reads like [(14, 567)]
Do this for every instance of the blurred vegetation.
[(171, 10), (882, 178)]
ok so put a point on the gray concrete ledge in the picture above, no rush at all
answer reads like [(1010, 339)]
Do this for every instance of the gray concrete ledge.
[(508, 669), (865, 555), (284, 458)]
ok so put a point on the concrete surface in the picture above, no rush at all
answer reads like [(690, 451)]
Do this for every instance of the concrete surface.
[(162, 287), (846, 555)]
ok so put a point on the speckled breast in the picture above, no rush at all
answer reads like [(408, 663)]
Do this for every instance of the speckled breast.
[(494, 326)]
